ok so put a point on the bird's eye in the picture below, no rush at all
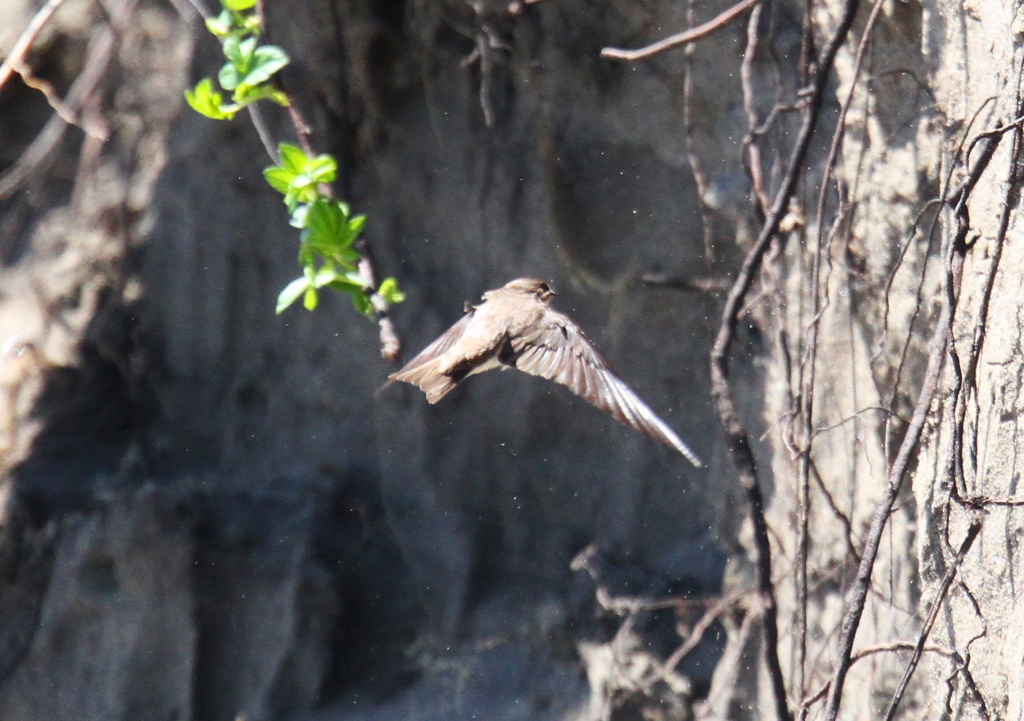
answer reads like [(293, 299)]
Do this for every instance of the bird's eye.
[(545, 288)]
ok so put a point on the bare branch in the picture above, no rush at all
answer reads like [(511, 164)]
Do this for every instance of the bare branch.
[(972, 532), (858, 592), (755, 168), (38, 153), (24, 42), (736, 436), (698, 284), (978, 337), (697, 632), (696, 166), (876, 649), (687, 36)]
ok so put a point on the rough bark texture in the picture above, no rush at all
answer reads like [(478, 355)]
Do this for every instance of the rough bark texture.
[(209, 512)]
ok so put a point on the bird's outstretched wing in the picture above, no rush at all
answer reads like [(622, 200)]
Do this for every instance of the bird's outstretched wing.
[(420, 371), (558, 350)]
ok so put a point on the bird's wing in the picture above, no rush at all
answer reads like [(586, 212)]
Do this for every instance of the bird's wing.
[(443, 342), (558, 350)]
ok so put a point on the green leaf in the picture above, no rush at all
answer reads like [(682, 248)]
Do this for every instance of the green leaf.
[(220, 26), (310, 299), (292, 157), (247, 94), (292, 178), (246, 52), (280, 179), (266, 60), (207, 101), (279, 96), (323, 169), (302, 190), (346, 257), (240, 61), (229, 76), (326, 224), (231, 50), (239, 5), (355, 227), (250, 24), (389, 291), (362, 303), (345, 285), (291, 293)]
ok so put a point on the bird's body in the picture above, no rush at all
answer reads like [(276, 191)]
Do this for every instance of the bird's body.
[(515, 327)]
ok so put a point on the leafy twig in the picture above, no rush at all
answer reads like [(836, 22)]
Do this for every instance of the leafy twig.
[(328, 253)]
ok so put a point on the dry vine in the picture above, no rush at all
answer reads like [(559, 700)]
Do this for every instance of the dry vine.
[(737, 438)]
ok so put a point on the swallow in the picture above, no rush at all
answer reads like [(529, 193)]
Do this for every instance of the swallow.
[(515, 327)]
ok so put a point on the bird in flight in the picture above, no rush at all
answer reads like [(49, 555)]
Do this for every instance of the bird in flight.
[(515, 327)]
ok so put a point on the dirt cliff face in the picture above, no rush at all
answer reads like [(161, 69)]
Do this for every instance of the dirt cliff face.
[(209, 510)]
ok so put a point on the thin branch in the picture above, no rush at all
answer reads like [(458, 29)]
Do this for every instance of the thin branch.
[(718, 704), (736, 435), (856, 417), (858, 592), (624, 605), (851, 548), (699, 629), (876, 649), (972, 532), (687, 36), (982, 501), (965, 667), (978, 337), (698, 284), (101, 49), (24, 42), (959, 202), (809, 367), (50, 93), (261, 129), (756, 168), (699, 177)]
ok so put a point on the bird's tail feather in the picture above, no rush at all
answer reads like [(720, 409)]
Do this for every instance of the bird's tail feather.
[(431, 381)]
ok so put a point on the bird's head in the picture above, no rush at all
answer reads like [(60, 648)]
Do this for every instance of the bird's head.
[(532, 286)]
